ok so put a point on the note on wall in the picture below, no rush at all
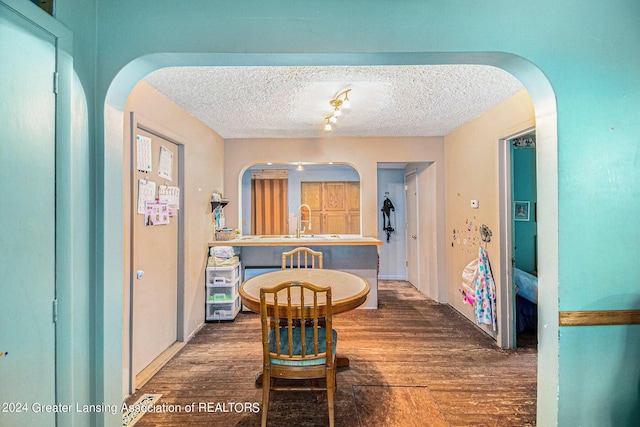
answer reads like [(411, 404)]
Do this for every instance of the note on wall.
[(171, 196), (165, 165), (146, 193), (156, 213), (143, 149)]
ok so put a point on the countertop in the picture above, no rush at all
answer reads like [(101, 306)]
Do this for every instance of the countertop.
[(310, 240)]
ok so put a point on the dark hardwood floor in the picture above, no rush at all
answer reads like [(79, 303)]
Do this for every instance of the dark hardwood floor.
[(413, 363)]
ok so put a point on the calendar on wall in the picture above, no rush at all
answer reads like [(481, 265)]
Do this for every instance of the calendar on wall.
[(143, 149)]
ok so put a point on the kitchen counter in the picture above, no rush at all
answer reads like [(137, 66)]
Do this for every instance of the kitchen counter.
[(311, 239), (353, 254)]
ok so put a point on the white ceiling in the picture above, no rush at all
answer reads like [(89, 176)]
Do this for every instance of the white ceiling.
[(292, 102)]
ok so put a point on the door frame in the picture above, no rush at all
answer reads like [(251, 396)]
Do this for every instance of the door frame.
[(506, 337), (139, 122), (416, 220)]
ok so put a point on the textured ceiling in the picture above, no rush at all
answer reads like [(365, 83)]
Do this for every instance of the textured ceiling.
[(292, 102)]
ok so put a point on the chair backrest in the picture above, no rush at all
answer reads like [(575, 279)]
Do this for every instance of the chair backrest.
[(301, 258), (297, 323)]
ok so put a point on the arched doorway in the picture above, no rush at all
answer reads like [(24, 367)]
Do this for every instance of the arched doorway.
[(543, 99)]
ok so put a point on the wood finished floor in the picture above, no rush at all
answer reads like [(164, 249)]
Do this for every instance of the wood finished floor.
[(413, 363)]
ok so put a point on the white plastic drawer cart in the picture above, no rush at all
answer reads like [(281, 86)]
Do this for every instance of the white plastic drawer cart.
[(222, 296)]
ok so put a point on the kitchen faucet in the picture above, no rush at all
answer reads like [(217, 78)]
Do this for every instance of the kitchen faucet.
[(299, 221)]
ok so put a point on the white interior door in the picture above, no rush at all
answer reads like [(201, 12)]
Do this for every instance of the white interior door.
[(411, 227), (27, 221), (155, 254)]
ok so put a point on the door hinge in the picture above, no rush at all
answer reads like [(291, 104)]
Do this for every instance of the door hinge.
[(406, 263), (55, 82), (55, 310)]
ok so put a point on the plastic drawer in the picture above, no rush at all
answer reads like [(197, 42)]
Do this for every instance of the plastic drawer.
[(220, 275), (222, 311)]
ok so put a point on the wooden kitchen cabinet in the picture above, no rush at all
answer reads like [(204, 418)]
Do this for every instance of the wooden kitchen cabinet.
[(335, 206)]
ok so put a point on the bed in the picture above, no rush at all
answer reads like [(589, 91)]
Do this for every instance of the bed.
[(526, 300)]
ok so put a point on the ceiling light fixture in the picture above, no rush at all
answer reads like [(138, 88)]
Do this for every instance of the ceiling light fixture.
[(341, 100), (327, 127)]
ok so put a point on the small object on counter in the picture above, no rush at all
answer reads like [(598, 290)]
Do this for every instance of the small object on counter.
[(226, 234)]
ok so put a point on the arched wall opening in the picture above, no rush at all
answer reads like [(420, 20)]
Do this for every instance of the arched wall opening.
[(544, 102)]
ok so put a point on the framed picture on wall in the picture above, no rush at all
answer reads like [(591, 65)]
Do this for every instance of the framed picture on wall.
[(521, 211)]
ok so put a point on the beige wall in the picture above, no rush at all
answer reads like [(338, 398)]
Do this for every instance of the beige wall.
[(361, 153), (472, 172), (203, 173)]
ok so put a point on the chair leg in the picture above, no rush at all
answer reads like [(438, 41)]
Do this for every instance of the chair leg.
[(319, 394), (266, 388), (331, 389), (335, 376)]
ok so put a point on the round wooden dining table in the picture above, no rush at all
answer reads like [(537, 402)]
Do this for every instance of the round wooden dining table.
[(348, 291)]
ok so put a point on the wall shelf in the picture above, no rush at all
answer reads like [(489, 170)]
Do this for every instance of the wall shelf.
[(222, 203)]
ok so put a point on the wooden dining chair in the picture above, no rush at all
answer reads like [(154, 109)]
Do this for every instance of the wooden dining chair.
[(297, 353), (301, 258)]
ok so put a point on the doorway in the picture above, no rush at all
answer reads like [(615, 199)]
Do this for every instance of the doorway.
[(518, 229), (546, 127), (156, 285), (412, 230), (269, 208)]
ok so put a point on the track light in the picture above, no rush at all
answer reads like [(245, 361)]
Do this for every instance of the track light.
[(341, 100), (346, 103), (327, 127)]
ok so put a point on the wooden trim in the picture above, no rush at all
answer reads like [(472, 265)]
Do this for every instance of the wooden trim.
[(599, 317), (270, 174), (158, 363)]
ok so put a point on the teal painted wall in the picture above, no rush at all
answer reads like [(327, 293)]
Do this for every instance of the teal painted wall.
[(81, 381), (600, 375), (588, 51), (524, 189)]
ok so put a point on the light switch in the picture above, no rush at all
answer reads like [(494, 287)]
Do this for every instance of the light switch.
[(475, 204)]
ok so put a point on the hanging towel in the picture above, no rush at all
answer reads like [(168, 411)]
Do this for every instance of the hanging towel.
[(486, 312)]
